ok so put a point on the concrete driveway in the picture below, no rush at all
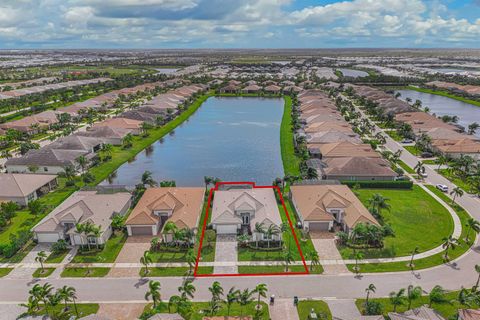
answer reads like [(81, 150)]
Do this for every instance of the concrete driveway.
[(327, 250), (227, 254), (131, 252), (121, 311)]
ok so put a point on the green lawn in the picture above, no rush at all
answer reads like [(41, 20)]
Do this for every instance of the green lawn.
[(456, 180), (200, 307), (106, 255), (446, 94), (173, 271), (165, 256), (416, 217), (305, 307), (394, 135), (413, 150), (84, 309), (406, 167), (208, 247), (431, 261), (72, 272), (275, 269), (306, 245), (39, 273), (447, 310), (291, 163), (57, 257), (5, 271)]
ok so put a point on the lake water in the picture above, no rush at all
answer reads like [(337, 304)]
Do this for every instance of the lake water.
[(352, 73), (441, 106), (234, 139), (166, 70)]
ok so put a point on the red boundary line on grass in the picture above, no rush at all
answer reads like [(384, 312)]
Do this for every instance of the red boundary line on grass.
[(207, 212)]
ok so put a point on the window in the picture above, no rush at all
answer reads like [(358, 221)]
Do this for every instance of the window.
[(31, 196), (92, 240), (45, 169), (267, 236)]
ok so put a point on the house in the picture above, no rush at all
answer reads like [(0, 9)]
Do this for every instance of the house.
[(321, 207), (421, 313), (357, 168), (230, 89), (23, 188), (457, 148), (122, 123), (80, 208), (253, 88), (273, 89), (182, 206), (107, 135), (32, 124), (239, 210), (345, 149), (468, 314), (332, 136)]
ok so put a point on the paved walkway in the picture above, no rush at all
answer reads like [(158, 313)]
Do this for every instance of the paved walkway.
[(283, 309), (226, 251), (121, 311), (346, 310), (327, 250)]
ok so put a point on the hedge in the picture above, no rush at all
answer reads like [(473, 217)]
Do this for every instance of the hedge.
[(378, 184)]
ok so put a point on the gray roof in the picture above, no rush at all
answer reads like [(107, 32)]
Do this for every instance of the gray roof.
[(47, 157), (421, 313), (104, 132), (75, 142)]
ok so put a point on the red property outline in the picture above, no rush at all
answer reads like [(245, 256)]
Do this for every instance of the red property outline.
[(207, 212)]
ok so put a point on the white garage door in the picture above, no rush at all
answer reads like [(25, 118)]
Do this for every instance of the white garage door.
[(226, 229), (318, 226), (47, 237)]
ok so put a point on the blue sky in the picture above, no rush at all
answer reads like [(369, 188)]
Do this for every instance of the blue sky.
[(239, 24)]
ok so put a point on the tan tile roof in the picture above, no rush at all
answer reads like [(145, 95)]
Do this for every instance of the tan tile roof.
[(347, 149), (120, 123), (21, 185), (313, 200), (186, 204), (358, 166), (469, 314)]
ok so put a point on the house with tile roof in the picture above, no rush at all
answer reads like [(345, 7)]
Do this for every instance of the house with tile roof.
[(321, 207), (157, 206), (421, 313), (23, 188)]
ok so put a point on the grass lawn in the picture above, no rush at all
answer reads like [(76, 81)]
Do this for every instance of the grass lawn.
[(71, 272), (447, 310), (39, 273), (108, 254), (291, 163), (5, 271), (406, 167), (305, 307), (394, 135), (416, 217), (456, 180), (165, 256), (84, 309), (57, 257), (431, 261), (413, 150), (208, 245), (446, 94), (275, 269), (173, 271), (306, 245), (200, 307)]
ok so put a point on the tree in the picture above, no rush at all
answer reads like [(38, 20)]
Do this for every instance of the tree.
[(314, 259), (232, 297), (153, 292), (287, 259), (207, 180), (148, 180), (370, 289), (261, 290), (414, 252), (68, 294), (36, 207), (449, 243), (477, 269), (419, 169), (118, 222), (8, 210), (259, 228), (33, 168), (244, 298), (271, 231), (471, 224), (82, 162), (397, 299), (358, 256), (146, 259), (190, 259), (437, 295), (127, 141), (456, 192), (217, 291), (473, 127), (441, 160), (40, 258), (378, 203), (413, 293), (187, 289)]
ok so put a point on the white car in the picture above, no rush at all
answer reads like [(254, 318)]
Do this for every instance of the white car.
[(442, 187)]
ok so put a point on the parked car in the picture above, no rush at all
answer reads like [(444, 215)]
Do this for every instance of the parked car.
[(407, 141), (442, 187), (423, 174), (427, 154)]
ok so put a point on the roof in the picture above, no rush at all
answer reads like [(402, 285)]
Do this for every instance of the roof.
[(47, 157), (104, 132), (186, 204), (358, 166), (84, 206), (312, 202), (120, 123), (262, 201), (21, 185), (469, 314), (421, 313), (347, 149)]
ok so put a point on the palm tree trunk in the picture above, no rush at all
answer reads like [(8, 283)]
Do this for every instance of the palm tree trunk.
[(478, 281), (75, 306), (468, 234)]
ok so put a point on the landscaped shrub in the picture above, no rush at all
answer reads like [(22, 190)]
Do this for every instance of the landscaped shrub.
[(376, 184), (59, 246), (373, 308)]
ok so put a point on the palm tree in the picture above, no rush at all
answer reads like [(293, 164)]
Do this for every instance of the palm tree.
[(378, 203), (95, 231), (187, 289), (397, 298), (259, 228), (244, 298), (173, 301), (314, 259), (477, 269), (68, 294), (441, 160), (414, 252), (465, 298), (170, 228), (449, 242), (207, 180), (456, 192), (371, 288), (146, 259), (473, 127), (154, 292), (35, 207), (82, 162), (261, 290), (471, 224), (41, 257), (272, 230), (232, 297), (148, 180), (190, 259), (127, 141), (287, 258), (358, 256), (216, 290), (419, 169), (437, 295), (413, 293)]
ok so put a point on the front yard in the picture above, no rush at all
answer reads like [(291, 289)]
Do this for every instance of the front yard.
[(85, 272), (106, 255), (306, 306), (417, 219)]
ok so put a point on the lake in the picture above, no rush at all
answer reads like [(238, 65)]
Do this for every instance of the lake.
[(166, 70), (467, 113), (352, 73), (232, 138)]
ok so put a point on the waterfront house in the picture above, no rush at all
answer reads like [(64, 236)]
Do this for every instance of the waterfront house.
[(23, 188)]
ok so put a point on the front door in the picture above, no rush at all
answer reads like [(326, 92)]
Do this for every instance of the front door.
[(245, 218)]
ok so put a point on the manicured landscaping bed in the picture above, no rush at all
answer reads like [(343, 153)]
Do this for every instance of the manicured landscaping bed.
[(5, 271), (39, 273), (447, 310), (108, 254), (235, 310), (417, 219), (57, 257), (173, 271), (72, 272), (305, 307)]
